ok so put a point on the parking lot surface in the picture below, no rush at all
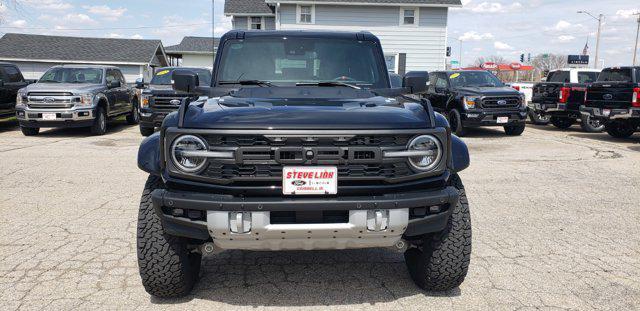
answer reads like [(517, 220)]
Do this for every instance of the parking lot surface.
[(555, 215)]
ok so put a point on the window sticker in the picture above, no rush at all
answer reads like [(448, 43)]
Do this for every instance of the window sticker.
[(162, 73), (453, 76)]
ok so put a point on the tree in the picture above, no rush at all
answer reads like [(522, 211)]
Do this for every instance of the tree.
[(543, 63), (490, 59)]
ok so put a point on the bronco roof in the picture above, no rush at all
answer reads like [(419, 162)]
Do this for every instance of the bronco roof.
[(238, 34)]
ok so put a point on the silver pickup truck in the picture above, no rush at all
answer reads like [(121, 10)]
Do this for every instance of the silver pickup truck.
[(76, 96)]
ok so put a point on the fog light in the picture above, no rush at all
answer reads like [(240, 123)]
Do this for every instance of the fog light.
[(435, 209), (377, 220), (177, 212), (239, 222), (194, 214)]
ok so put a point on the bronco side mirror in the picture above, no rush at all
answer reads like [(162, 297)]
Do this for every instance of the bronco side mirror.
[(185, 80), (416, 81)]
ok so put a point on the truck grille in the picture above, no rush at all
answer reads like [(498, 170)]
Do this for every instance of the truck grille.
[(271, 172), (51, 100), (501, 102), (163, 102)]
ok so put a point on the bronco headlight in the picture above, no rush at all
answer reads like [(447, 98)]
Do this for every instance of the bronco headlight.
[(185, 153), (427, 150)]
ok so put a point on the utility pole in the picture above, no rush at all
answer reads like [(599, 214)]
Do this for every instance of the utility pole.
[(600, 19), (213, 32), (635, 50)]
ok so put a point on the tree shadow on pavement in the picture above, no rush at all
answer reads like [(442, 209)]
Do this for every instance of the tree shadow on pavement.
[(484, 132), (113, 127), (305, 278), (10, 124), (633, 142)]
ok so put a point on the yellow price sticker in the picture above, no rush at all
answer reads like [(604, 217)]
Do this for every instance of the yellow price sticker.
[(162, 73), (453, 76)]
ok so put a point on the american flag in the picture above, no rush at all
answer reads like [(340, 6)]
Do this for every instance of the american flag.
[(585, 51)]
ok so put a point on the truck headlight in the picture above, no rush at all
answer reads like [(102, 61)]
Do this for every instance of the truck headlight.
[(184, 152), (469, 102), (86, 100), (144, 100), (21, 98), (428, 150)]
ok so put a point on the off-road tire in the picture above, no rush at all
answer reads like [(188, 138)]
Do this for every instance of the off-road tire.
[(455, 121), (514, 130), (134, 116), (167, 268), (442, 262), (537, 119), (146, 131), (590, 125), (620, 129), (562, 123), (30, 131), (99, 126)]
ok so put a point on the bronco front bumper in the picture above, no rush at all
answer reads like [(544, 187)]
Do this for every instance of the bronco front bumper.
[(250, 223)]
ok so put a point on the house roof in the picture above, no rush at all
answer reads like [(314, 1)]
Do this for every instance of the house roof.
[(194, 45), (259, 7), (266, 7), (79, 49)]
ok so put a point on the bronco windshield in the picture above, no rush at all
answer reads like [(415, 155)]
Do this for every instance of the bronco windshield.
[(474, 78), (72, 75), (163, 76), (291, 61)]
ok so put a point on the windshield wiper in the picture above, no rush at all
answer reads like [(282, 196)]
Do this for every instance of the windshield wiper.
[(329, 83), (47, 81), (248, 82)]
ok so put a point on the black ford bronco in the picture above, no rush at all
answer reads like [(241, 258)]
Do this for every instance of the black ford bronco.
[(615, 100), (158, 98), (300, 143), (477, 98)]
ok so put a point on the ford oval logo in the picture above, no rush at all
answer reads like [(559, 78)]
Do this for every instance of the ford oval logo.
[(175, 102), (49, 100), (607, 96), (502, 102), (298, 183)]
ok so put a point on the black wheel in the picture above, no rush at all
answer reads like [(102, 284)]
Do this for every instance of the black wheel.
[(134, 116), (591, 125), (442, 262), (146, 131), (455, 121), (30, 131), (562, 123), (99, 126), (167, 267), (538, 119), (621, 129), (514, 130)]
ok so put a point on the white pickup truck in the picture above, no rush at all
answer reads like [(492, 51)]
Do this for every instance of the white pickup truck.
[(526, 88)]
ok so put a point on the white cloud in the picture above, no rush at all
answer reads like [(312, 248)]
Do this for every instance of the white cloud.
[(137, 36), (631, 13), (56, 5), (490, 7), (474, 36), (114, 35), (78, 19), (502, 46), (565, 38), (21, 23), (106, 12)]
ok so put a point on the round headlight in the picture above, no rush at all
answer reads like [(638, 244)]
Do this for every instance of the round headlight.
[(184, 152), (432, 152)]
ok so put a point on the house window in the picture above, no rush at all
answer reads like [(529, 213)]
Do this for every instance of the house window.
[(305, 14), (391, 62), (255, 22), (409, 16)]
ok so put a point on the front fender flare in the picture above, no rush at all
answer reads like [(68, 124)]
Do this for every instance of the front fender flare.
[(459, 154), (149, 155)]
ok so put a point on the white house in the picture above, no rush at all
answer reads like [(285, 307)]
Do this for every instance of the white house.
[(35, 54), (413, 33), (193, 52)]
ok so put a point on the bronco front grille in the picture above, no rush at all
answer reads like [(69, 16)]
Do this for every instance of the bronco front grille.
[(271, 172), (501, 102)]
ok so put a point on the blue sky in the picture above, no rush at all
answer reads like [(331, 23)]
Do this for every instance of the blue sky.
[(506, 28)]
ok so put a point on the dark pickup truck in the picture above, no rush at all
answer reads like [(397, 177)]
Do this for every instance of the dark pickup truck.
[(301, 143), (558, 100), (11, 81), (477, 98), (615, 100), (158, 99)]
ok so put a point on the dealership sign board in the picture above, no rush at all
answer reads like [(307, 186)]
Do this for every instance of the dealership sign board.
[(578, 59)]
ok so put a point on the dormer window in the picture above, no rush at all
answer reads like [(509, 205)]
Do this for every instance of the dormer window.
[(306, 14), (409, 16), (255, 23)]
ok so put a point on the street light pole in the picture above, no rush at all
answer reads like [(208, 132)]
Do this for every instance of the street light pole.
[(635, 50), (600, 18)]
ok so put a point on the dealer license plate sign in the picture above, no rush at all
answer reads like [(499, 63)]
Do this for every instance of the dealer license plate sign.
[(503, 120), (302, 180)]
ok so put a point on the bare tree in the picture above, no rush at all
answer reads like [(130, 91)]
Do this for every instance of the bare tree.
[(543, 63), (490, 59)]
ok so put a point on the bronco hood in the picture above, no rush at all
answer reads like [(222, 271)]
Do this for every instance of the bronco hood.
[(307, 108)]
